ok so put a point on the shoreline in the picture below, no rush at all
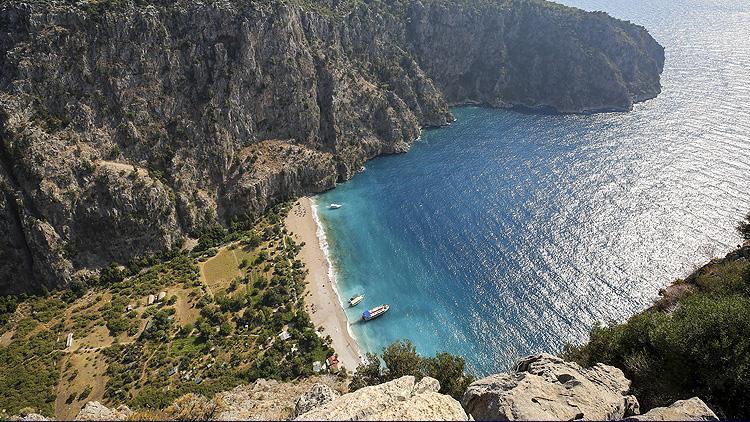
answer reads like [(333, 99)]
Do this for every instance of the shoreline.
[(321, 298)]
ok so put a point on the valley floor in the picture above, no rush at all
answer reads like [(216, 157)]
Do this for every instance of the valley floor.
[(321, 300)]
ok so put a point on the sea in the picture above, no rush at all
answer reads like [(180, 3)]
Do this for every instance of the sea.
[(508, 233)]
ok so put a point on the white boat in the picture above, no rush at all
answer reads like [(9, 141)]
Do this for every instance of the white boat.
[(356, 299), (375, 312), (334, 206)]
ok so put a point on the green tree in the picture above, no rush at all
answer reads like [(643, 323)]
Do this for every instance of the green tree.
[(400, 358), (111, 274), (450, 370), (702, 349), (368, 373), (744, 227)]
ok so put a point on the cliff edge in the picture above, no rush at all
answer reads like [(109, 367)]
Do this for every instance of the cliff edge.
[(541, 387)]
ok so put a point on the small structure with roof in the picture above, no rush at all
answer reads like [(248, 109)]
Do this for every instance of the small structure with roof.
[(150, 300)]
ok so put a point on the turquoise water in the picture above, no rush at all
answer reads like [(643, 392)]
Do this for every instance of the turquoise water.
[(507, 233)]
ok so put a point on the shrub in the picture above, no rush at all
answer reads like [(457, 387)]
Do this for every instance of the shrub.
[(401, 358), (194, 407), (702, 349), (744, 227)]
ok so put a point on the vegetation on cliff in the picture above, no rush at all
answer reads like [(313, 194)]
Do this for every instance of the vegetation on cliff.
[(218, 325), (401, 358), (694, 342)]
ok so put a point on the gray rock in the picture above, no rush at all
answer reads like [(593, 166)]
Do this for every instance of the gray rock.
[(427, 385), (29, 417), (95, 411), (693, 409), (318, 395), (545, 387), (400, 399)]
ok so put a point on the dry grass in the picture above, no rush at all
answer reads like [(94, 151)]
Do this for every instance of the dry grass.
[(88, 370), (221, 269)]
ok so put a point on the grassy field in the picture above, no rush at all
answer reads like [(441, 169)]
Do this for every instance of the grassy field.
[(230, 262), (218, 326)]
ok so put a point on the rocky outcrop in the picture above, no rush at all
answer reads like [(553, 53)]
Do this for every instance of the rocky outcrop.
[(400, 399), (682, 410), (127, 126), (545, 387), (272, 400), (95, 411), (29, 417), (542, 387), (317, 396)]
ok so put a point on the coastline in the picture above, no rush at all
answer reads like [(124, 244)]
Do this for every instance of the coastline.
[(321, 298)]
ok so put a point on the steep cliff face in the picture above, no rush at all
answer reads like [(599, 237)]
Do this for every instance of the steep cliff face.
[(127, 126), (535, 54)]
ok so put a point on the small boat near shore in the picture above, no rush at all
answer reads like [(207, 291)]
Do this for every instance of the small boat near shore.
[(375, 312), (334, 206), (356, 299)]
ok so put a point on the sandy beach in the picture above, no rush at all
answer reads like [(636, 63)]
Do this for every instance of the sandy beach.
[(321, 300)]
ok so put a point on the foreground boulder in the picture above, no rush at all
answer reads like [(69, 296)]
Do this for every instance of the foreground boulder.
[(272, 400), (318, 395), (95, 411), (682, 410), (400, 399), (545, 387)]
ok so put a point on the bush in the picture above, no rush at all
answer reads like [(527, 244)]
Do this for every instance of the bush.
[(401, 358), (85, 393), (702, 349), (111, 274), (28, 373), (194, 407), (744, 227), (8, 306), (210, 237)]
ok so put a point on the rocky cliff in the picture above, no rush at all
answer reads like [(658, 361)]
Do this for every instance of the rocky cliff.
[(541, 387), (129, 125)]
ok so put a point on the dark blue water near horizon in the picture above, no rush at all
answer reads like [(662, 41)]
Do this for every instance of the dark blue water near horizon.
[(510, 233)]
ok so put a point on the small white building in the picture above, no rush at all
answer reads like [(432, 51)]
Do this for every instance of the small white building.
[(129, 308), (150, 300), (317, 366), (69, 340), (161, 296), (285, 335)]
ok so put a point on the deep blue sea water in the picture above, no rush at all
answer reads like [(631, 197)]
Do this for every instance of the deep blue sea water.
[(507, 233)]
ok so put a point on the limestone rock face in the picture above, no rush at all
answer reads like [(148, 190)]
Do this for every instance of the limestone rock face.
[(400, 399), (271, 400), (29, 417), (545, 387), (95, 411), (318, 395), (693, 409), (127, 126)]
